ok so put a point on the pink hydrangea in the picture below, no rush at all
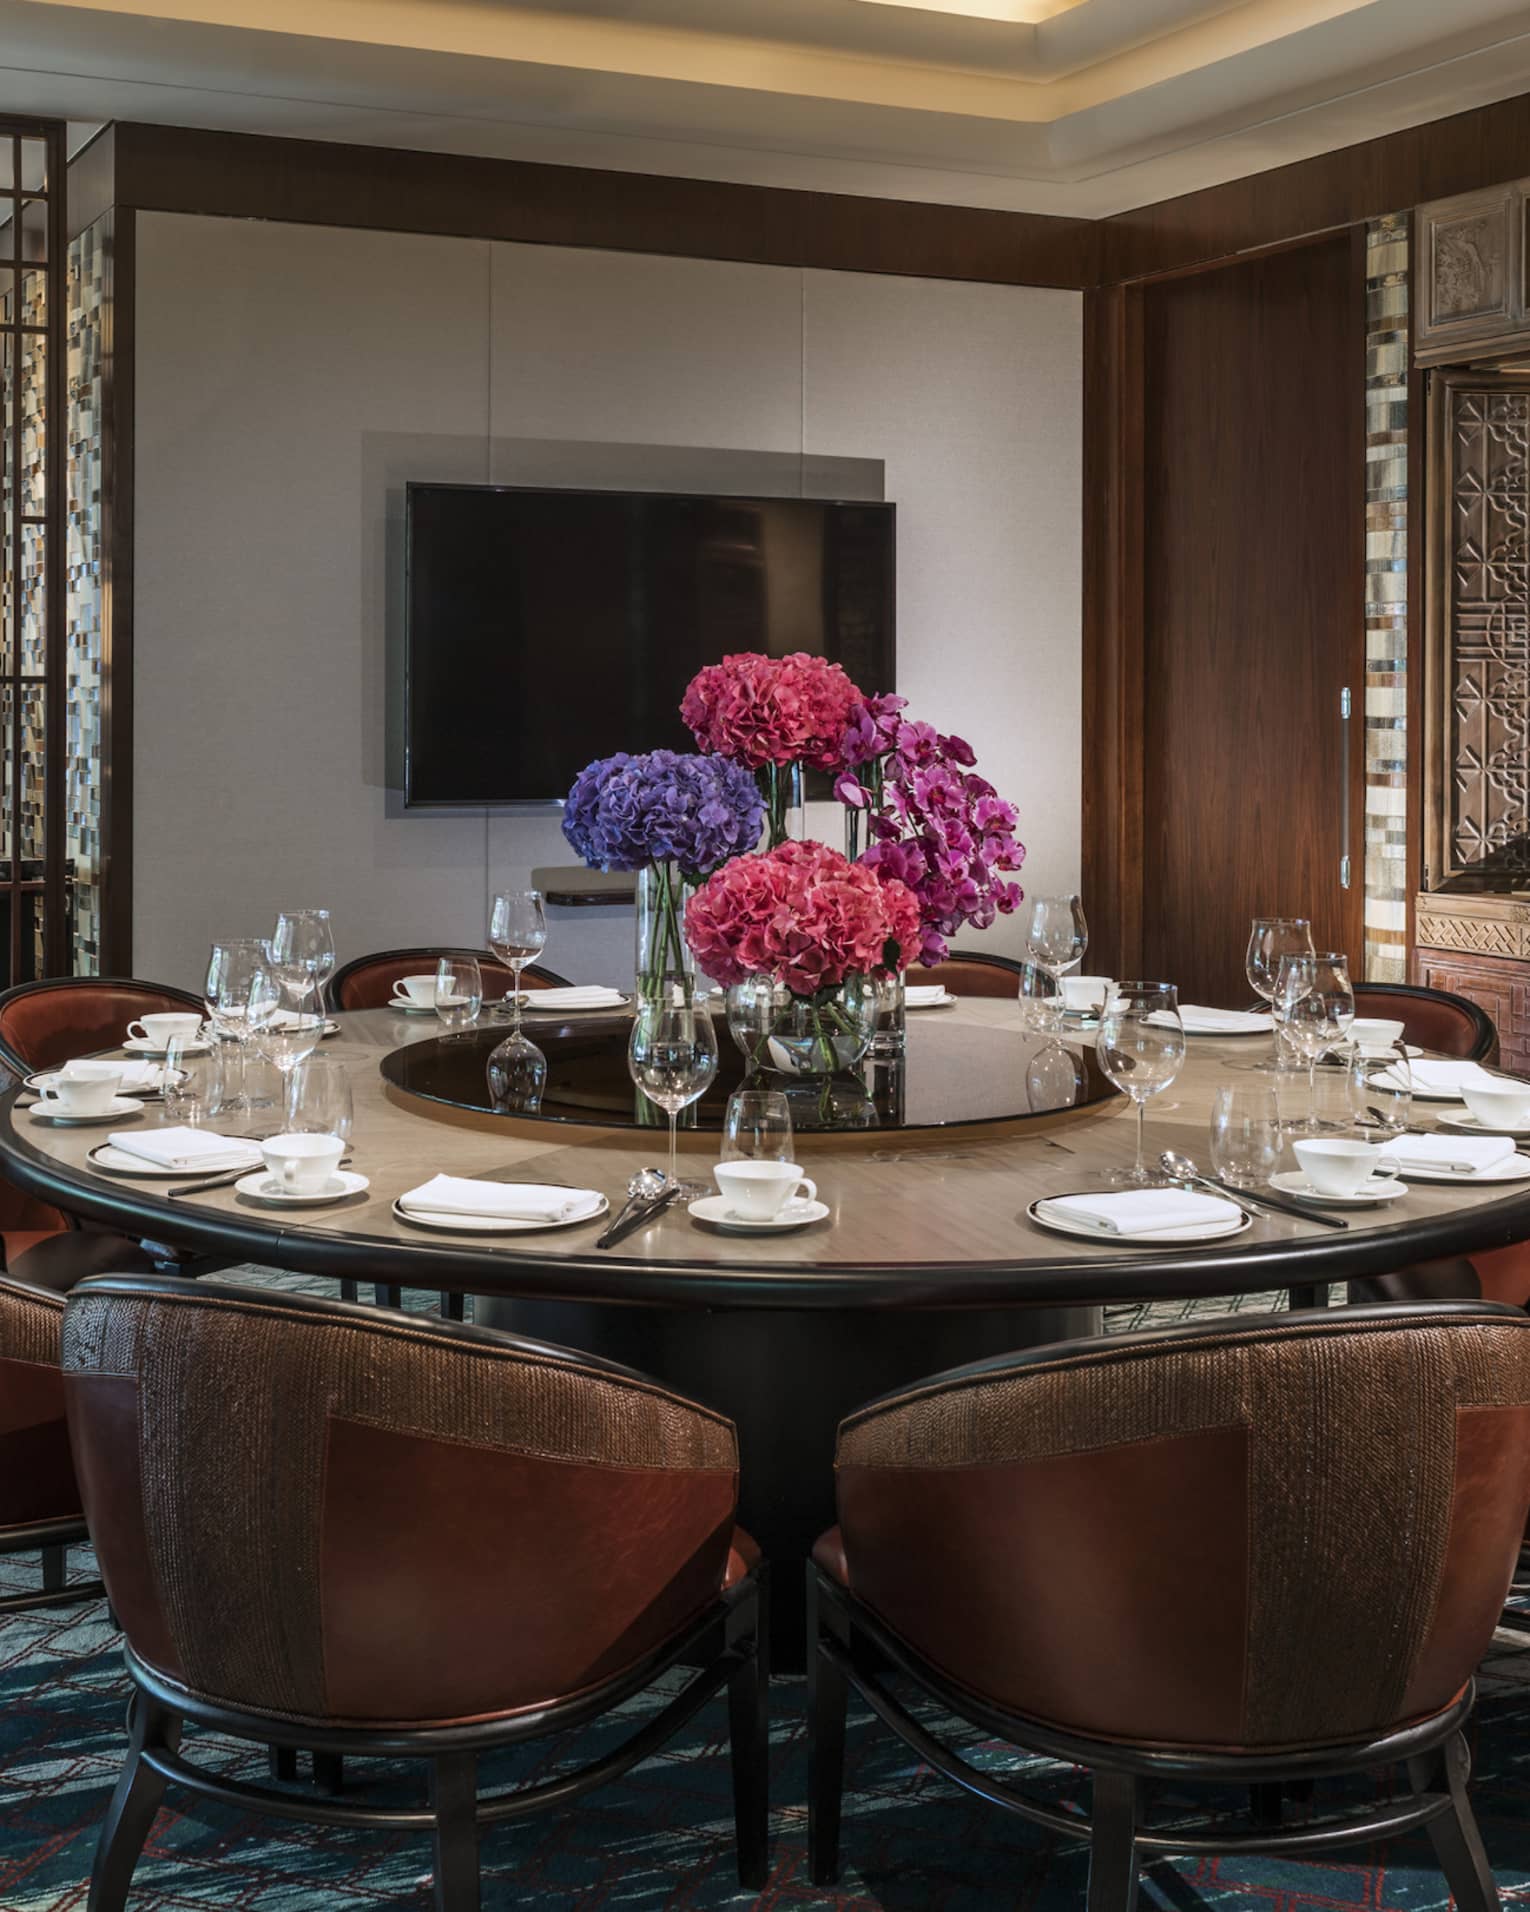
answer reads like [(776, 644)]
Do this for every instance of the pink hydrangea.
[(761, 710), (804, 915)]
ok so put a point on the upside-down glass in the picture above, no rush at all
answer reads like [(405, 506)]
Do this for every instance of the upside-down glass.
[(318, 1099), (1271, 938), (1245, 1134), (1140, 1048), (304, 940), (459, 992), (672, 1058), (757, 1127), (517, 935), (1056, 934)]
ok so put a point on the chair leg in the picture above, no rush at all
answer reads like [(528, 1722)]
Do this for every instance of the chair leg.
[(55, 1566), (453, 1307), (1113, 1849), (282, 1762), (454, 1796), (387, 1297), (749, 1748), (329, 1773), (1457, 1840), (828, 1695), (133, 1806), (348, 1290)]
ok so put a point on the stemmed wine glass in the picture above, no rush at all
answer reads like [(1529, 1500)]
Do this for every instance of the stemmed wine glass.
[(1315, 1004), (1056, 935), (242, 996), (305, 940), (1140, 1048), (1271, 938), (517, 934), (672, 1058)]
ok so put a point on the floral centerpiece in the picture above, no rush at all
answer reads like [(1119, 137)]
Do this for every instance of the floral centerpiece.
[(798, 936), (773, 715), (673, 819)]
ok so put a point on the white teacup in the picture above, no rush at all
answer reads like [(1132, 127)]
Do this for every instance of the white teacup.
[(418, 990), (1375, 1033), (159, 1031), (1498, 1105), (1336, 1167), (760, 1190), (303, 1164), (1086, 994), (84, 1088)]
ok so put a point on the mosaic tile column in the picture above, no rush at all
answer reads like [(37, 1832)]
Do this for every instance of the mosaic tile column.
[(89, 307), (1386, 599)]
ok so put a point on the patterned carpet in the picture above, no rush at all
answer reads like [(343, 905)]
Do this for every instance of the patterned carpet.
[(660, 1841)]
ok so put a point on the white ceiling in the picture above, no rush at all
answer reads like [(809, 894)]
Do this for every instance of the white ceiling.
[(1105, 105)]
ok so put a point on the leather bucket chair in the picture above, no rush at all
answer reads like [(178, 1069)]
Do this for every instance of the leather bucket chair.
[(967, 972), (366, 982), (1253, 1552), (1433, 1018), (364, 1533), (44, 1024)]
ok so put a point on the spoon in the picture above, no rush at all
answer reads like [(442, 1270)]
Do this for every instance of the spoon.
[(1184, 1170)]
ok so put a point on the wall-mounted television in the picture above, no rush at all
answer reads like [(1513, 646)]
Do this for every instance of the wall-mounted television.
[(544, 628)]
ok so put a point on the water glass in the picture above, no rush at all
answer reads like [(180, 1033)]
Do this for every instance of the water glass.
[(672, 1059), (459, 992), (1141, 1048), (1245, 1135), (193, 1083), (318, 1099), (757, 1127), (1381, 1091), (1041, 1000)]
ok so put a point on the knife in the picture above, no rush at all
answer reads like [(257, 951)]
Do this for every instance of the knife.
[(624, 1225), (1281, 1205)]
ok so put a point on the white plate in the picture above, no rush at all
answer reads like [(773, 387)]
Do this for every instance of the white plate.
[(262, 1186), (114, 1161), (531, 1006), (37, 1083), (947, 1001), (715, 1210), (1060, 1225), (1379, 1189), (140, 1046), (1469, 1125), (494, 1224), (1516, 1169), (407, 1008), (120, 1109)]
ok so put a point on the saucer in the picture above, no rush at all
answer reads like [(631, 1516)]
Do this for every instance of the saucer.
[(947, 1001), (1062, 1225), (263, 1186), (141, 1046), (1469, 1125), (1379, 1189), (492, 1224), (1516, 1168), (406, 1007), (122, 1108), (142, 1092), (715, 1210), (114, 1161)]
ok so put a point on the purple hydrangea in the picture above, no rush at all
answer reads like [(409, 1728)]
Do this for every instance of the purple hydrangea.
[(662, 807)]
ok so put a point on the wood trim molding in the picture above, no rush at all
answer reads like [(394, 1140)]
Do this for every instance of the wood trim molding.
[(1474, 925)]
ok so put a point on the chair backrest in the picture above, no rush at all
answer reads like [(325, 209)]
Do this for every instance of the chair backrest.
[(44, 1024), (969, 972), (366, 982), (1433, 1018), (36, 1474), (339, 1513), (1242, 1535)]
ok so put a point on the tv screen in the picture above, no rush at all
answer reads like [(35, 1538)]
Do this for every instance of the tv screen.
[(545, 628)]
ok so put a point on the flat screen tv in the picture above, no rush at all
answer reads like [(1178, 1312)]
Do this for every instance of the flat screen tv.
[(545, 628)]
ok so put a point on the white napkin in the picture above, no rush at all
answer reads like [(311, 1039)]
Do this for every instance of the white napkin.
[(186, 1148), (1441, 1076), (923, 995), (1463, 1155), (575, 996), (1145, 1211), (504, 1201), (1200, 1021), (293, 1019), (135, 1075)]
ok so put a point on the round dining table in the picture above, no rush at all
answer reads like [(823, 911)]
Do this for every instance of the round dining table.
[(927, 1257)]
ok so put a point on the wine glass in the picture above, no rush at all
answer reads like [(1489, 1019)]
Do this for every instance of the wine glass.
[(757, 1127), (241, 997), (1310, 999), (294, 1028), (1245, 1134), (459, 991), (318, 1098), (305, 940), (672, 1058), (1140, 1048), (1056, 934), (517, 933), (1271, 938)]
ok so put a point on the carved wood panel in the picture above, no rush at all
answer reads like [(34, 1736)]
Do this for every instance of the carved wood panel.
[(1498, 987), (1473, 258)]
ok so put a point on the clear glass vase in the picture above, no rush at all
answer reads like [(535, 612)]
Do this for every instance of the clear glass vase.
[(888, 1039), (785, 811), (662, 959), (802, 1036)]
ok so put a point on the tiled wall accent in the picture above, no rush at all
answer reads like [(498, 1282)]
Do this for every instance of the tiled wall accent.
[(89, 289), (1386, 598)]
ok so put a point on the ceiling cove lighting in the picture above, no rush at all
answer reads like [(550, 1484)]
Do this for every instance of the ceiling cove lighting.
[(1017, 13)]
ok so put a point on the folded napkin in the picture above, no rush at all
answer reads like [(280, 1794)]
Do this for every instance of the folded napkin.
[(575, 996), (1441, 1076), (1463, 1155), (1200, 1021), (293, 1019), (503, 1201), (923, 995), (1145, 1211), (187, 1148)]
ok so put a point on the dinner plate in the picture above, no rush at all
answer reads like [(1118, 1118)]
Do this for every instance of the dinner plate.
[(122, 1109), (263, 1186), (1378, 1190), (37, 1083), (1387, 1081), (947, 1001), (1469, 1125), (141, 1046), (530, 1005), (1515, 1169), (494, 1224), (1061, 1225), (717, 1213), (115, 1161)]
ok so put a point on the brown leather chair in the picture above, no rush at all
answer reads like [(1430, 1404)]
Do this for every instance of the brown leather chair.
[(366, 982), (368, 1533), (969, 972), (44, 1024), (1433, 1018), (1257, 1551)]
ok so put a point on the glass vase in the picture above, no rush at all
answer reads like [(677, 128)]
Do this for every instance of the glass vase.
[(888, 1039), (802, 1037), (785, 811), (663, 960)]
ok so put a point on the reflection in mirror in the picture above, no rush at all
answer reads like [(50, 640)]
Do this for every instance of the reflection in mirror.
[(516, 1075), (1054, 1078)]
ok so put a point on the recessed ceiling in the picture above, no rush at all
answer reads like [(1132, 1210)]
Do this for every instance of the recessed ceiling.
[(1016, 12), (1099, 106)]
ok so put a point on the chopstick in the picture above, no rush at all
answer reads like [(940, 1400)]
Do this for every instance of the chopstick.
[(228, 1180), (624, 1225), (1281, 1205)]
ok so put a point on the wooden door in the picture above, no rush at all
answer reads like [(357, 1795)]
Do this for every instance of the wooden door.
[(1253, 542)]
